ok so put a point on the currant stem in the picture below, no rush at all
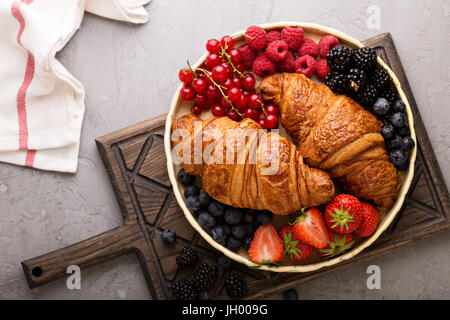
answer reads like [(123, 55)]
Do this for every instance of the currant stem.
[(225, 53)]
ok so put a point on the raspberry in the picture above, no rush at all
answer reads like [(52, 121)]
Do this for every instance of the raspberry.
[(272, 36), (277, 50), (256, 37), (308, 47), (305, 65), (327, 43), (293, 37), (248, 56), (288, 64), (263, 66), (322, 68)]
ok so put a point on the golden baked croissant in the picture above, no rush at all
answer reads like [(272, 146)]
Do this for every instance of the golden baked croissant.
[(237, 180), (335, 134)]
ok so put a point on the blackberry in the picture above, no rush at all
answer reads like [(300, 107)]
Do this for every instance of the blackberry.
[(365, 58), (380, 78), (205, 277), (235, 285), (184, 290), (390, 94), (340, 58), (366, 95), (187, 257), (356, 79), (338, 83)]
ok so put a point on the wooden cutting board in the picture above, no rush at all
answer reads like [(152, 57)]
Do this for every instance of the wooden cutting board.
[(135, 160)]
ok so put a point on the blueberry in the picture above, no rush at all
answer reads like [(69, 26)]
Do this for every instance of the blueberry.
[(206, 221), (250, 229), (205, 199), (203, 295), (233, 216), (191, 191), (403, 167), (407, 144), (398, 120), (263, 217), (247, 242), (399, 106), (239, 231), (193, 203), (394, 144), (168, 236), (226, 229), (381, 107), (398, 158), (218, 233), (404, 132), (224, 262), (388, 131), (251, 212), (290, 294), (233, 244), (216, 208), (184, 178)]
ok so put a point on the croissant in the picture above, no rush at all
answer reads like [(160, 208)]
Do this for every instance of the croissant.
[(335, 134), (262, 171)]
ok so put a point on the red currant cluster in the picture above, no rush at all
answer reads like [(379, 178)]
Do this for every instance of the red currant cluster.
[(222, 85)]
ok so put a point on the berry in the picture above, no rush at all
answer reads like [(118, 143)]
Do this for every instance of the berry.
[(201, 99), (294, 248), (205, 277), (252, 114), (248, 56), (246, 243), (193, 203), (219, 73), (186, 76), (184, 178), (213, 46), (366, 95), (388, 131), (310, 228), (327, 43), (235, 56), (249, 229), (308, 48), (234, 94), (266, 246), (369, 221), (290, 295), (212, 60), (239, 231), (197, 109), (390, 94), (233, 115), (218, 233), (191, 191), (168, 236), (233, 244), (407, 144), (404, 132), (337, 82), (263, 217), (398, 158), (271, 110), (187, 257), (216, 208), (338, 244), (356, 79), (322, 69), (305, 65), (286, 65), (272, 36), (263, 66), (206, 221), (271, 122), (277, 50), (227, 84), (218, 111), (398, 120), (227, 43), (224, 262), (394, 143), (381, 107), (233, 216), (365, 58), (293, 37), (380, 78), (399, 106), (254, 101), (187, 93), (184, 290), (228, 67), (212, 92), (203, 296), (235, 285), (249, 81), (237, 82), (242, 103), (343, 215), (256, 37), (340, 58)]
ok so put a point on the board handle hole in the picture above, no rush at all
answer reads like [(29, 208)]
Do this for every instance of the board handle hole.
[(37, 272)]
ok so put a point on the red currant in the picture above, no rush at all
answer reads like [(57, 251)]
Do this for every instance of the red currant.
[(237, 82), (200, 85), (271, 110), (208, 105), (187, 93), (227, 43), (246, 93), (233, 115), (224, 103), (219, 73), (218, 111), (271, 121), (227, 66), (240, 67), (242, 103), (213, 46), (197, 110), (186, 76), (235, 56), (249, 81), (228, 84), (262, 123), (201, 99), (212, 60), (254, 101), (252, 114), (234, 94), (212, 92)]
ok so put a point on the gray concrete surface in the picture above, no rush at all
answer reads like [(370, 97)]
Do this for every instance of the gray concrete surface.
[(130, 73)]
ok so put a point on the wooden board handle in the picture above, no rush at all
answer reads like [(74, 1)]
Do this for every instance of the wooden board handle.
[(105, 246)]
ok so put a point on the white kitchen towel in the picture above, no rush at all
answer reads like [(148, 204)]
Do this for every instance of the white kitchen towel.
[(41, 103)]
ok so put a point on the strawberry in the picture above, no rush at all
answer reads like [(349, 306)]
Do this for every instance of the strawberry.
[(343, 215), (369, 221), (266, 246), (311, 229), (338, 244), (296, 249)]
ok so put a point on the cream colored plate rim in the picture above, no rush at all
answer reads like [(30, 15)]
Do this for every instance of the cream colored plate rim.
[(295, 268)]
